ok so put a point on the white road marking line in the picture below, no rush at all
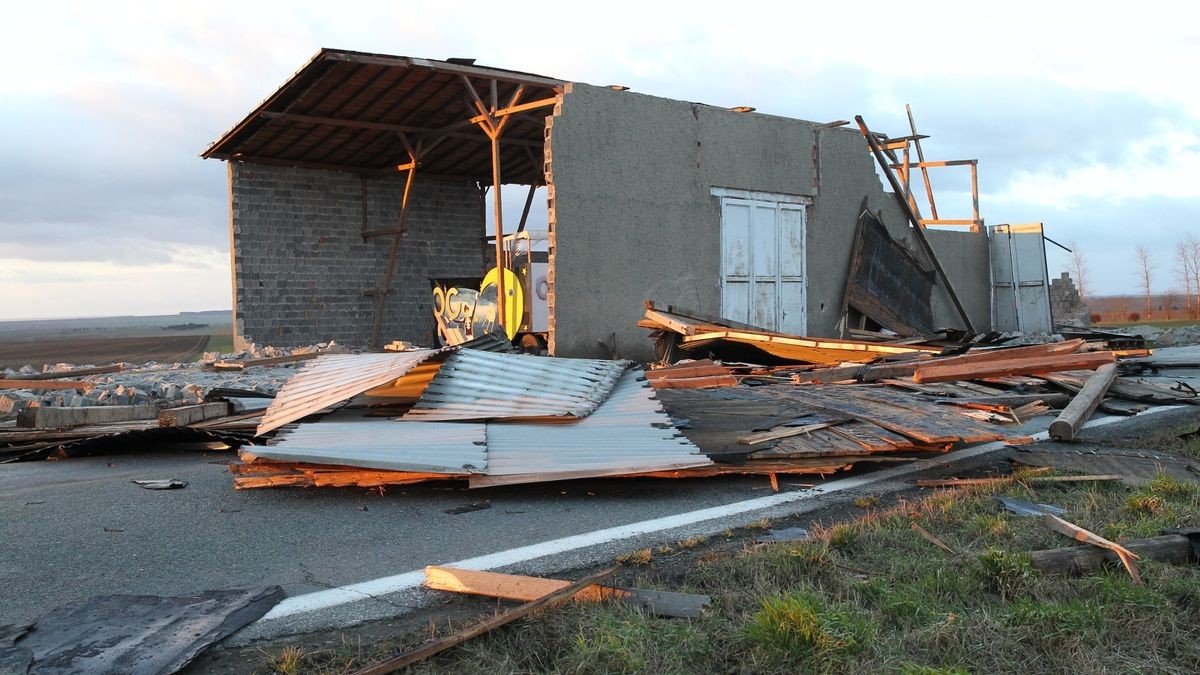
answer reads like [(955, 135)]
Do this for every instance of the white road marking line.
[(318, 600)]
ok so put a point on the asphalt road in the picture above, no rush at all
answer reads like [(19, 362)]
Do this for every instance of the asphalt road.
[(78, 528)]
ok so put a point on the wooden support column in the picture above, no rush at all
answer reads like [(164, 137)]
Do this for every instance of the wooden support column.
[(918, 231), (912, 125), (493, 126), (386, 288), (975, 196)]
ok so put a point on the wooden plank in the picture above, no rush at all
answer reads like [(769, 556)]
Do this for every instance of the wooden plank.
[(526, 589), (1173, 549), (1072, 418), (696, 369), (1077, 533), (783, 432), (46, 385), (50, 417), (935, 372), (695, 382), (442, 644), (190, 414), (876, 372)]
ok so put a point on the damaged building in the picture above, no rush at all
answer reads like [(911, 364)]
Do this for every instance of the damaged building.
[(361, 202)]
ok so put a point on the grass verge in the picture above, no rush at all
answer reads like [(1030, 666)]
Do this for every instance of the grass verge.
[(869, 595)]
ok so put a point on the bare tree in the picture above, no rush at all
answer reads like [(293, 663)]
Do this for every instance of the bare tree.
[(1079, 270), (1145, 277), (1193, 252), (1184, 266)]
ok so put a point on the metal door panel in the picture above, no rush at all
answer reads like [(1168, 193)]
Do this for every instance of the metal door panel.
[(1020, 283), (763, 262)]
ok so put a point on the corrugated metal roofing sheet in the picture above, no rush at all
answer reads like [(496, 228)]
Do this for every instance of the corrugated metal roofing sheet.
[(629, 433), (382, 443), (333, 378), (475, 385)]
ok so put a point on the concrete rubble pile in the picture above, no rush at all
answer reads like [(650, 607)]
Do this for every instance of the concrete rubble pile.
[(42, 411)]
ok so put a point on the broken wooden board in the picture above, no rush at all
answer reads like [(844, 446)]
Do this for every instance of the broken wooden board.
[(525, 589), (925, 422), (1128, 558), (46, 385), (442, 644), (804, 350), (937, 372), (258, 474)]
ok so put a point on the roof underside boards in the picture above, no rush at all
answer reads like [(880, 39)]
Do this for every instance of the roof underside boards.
[(629, 433), (333, 378), (382, 443), (474, 385), (347, 110)]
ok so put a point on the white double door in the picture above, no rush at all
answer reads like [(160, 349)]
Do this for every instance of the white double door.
[(763, 281)]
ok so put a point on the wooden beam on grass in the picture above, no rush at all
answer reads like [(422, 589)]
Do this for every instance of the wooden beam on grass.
[(442, 644), (928, 536), (1073, 417), (949, 372), (526, 589), (1173, 549), (1128, 558), (1002, 480)]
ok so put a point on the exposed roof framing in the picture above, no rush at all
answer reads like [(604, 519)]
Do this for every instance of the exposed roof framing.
[(354, 111)]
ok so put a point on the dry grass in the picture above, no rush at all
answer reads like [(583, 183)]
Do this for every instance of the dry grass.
[(870, 595)]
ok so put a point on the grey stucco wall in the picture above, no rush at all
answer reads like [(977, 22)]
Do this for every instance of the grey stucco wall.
[(300, 264), (632, 216)]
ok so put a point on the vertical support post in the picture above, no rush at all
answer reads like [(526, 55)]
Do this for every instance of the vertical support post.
[(906, 176), (386, 289), (501, 317), (975, 195), (921, 159)]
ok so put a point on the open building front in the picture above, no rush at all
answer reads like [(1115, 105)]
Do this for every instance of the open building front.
[(361, 198)]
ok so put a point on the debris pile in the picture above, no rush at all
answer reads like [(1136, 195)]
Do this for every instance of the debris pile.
[(65, 411)]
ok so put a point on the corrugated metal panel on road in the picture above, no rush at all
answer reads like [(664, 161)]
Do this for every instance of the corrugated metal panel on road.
[(383, 443), (474, 385), (333, 378), (628, 433)]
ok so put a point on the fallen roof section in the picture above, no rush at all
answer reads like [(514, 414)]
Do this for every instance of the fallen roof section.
[(629, 433), (382, 443), (476, 385), (333, 378)]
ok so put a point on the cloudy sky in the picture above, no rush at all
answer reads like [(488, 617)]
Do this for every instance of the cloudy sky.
[(1084, 115)]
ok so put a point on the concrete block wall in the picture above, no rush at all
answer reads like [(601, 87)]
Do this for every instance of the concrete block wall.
[(632, 216), (301, 266), (1066, 305)]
